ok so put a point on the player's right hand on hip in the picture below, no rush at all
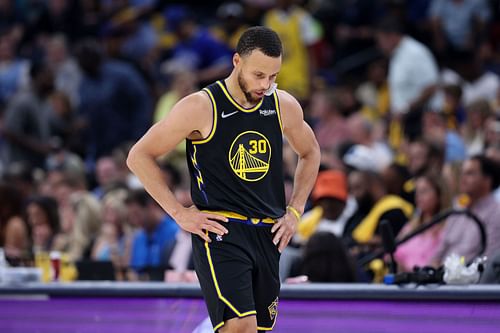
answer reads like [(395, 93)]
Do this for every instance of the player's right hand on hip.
[(197, 222)]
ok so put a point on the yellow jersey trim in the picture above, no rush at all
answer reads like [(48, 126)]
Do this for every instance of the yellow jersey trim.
[(214, 123), (240, 217), (278, 111), (238, 106), (265, 328), (218, 326), (216, 284)]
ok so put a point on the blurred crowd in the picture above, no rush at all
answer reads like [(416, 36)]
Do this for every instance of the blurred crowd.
[(403, 96)]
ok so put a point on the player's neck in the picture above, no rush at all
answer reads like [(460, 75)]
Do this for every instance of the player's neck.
[(236, 93)]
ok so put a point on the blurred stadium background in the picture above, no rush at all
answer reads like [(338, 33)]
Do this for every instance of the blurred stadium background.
[(403, 96)]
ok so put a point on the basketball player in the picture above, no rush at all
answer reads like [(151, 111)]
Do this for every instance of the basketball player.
[(240, 222)]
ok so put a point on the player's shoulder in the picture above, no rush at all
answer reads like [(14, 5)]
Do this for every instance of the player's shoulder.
[(196, 101), (287, 100), (197, 104)]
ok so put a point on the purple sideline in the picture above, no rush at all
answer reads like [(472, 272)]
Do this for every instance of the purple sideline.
[(155, 315)]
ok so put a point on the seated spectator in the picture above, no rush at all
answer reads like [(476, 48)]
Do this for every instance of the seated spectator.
[(153, 243), (435, 130), (461, 236), (43, 220), (474, 129), (80, 218), (326, 259), (330, 201), (493, 152), (108, 175), (13, 230), (386, 206), (114, 241), (330, 124), (431, 197)]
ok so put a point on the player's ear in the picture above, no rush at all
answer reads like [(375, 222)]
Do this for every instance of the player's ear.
[(236, 59)]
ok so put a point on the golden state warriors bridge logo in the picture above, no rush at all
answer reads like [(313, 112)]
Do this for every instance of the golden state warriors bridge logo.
[(250, 155)]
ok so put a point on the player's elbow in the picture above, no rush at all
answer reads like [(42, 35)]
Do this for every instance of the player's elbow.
[(313, 153), (316, 151), (133, 157)]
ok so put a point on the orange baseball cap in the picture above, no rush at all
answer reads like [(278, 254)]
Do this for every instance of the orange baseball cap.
[(330, 184)]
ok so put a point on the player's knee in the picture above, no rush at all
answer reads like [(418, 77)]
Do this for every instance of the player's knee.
[(240, 325)]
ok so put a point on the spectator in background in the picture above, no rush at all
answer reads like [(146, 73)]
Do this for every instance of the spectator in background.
[(424, 156), (453, 107), (196, 50), (114, 241), (358, 184), (492, 131), (461, 236), (14, 71), (363, 135), (431, 198), (395, 176), (65, 124), (137, 39), (153, 243), (435, 130), (13, 230), (374, 92), (115, 102), (43, 219), (458, 24), (474, 129), (26, 128), (300, 31), (493, 152), (230, 23), (326, 259), (386, 206), (80, 218), (22, 176), (182, 83), (67, 74), (329, 206), (330, 124), (468, 70), (108, 175), (413, 76)]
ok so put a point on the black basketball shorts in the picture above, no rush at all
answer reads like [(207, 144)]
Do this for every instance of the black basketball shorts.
[(239, 274)]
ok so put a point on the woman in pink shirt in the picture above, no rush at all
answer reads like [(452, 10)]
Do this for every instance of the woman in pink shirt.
[(431, 197)]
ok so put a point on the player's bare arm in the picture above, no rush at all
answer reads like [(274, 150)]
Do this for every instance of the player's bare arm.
[(303, 142), (192, 118)]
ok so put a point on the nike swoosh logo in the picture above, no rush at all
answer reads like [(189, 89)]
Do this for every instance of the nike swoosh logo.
[(226, 115)]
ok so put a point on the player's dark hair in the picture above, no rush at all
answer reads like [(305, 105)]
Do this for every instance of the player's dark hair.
[(261, 38)]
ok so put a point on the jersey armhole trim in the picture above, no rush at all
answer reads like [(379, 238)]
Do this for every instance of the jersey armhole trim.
[(278, 110), (214, 121)]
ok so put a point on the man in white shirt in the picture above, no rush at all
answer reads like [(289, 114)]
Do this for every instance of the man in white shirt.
[(413, 74)]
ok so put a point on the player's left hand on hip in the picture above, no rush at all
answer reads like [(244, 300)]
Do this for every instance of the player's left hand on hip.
[(284, 229)]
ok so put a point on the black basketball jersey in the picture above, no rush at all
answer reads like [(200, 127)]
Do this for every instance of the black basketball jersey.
[(239, 166)]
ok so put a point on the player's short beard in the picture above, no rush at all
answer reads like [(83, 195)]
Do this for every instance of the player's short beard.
[(243, 86)]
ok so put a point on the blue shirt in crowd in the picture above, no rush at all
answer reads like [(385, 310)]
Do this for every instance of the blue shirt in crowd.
[(148, 250)]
